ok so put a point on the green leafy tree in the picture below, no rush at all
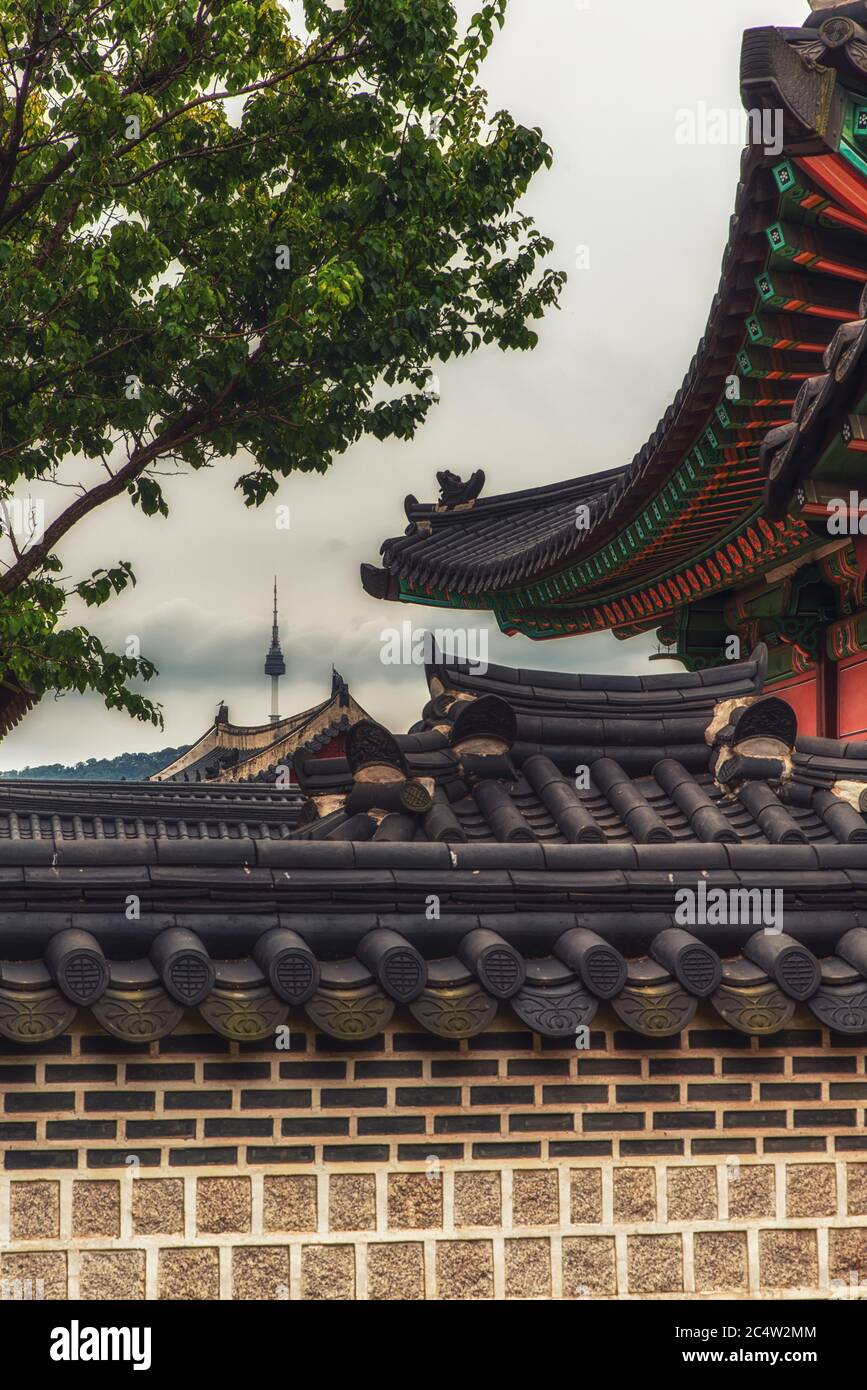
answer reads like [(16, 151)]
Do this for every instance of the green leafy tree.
[(226, 231)]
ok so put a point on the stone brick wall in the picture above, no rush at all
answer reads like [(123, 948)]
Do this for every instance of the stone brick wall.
[(409, 1167)]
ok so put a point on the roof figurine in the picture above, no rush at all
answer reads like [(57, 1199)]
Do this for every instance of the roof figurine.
[(455, 492), (339, 687)]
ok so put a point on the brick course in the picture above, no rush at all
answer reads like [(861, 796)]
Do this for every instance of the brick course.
[(413, 1168)]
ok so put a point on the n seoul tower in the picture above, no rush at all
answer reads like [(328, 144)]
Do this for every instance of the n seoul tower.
[(275, 666)]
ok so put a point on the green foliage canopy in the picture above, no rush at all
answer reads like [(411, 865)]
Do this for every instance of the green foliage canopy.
[(226, 232)]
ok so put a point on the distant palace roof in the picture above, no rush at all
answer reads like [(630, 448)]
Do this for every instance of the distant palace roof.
[(770, 421), (229, 752)]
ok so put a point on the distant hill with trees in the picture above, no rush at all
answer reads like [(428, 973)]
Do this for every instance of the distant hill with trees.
[(126, 767)]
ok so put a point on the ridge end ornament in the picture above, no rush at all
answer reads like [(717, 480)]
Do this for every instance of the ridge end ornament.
[(456, 491)]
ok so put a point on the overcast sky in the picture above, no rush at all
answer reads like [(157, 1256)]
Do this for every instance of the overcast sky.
[(606, 81)]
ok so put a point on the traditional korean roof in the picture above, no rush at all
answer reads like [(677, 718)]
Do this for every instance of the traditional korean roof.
[(523, 847), (109, 814), (229, 752), (774, 401), (15, 700), (660, 765)]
